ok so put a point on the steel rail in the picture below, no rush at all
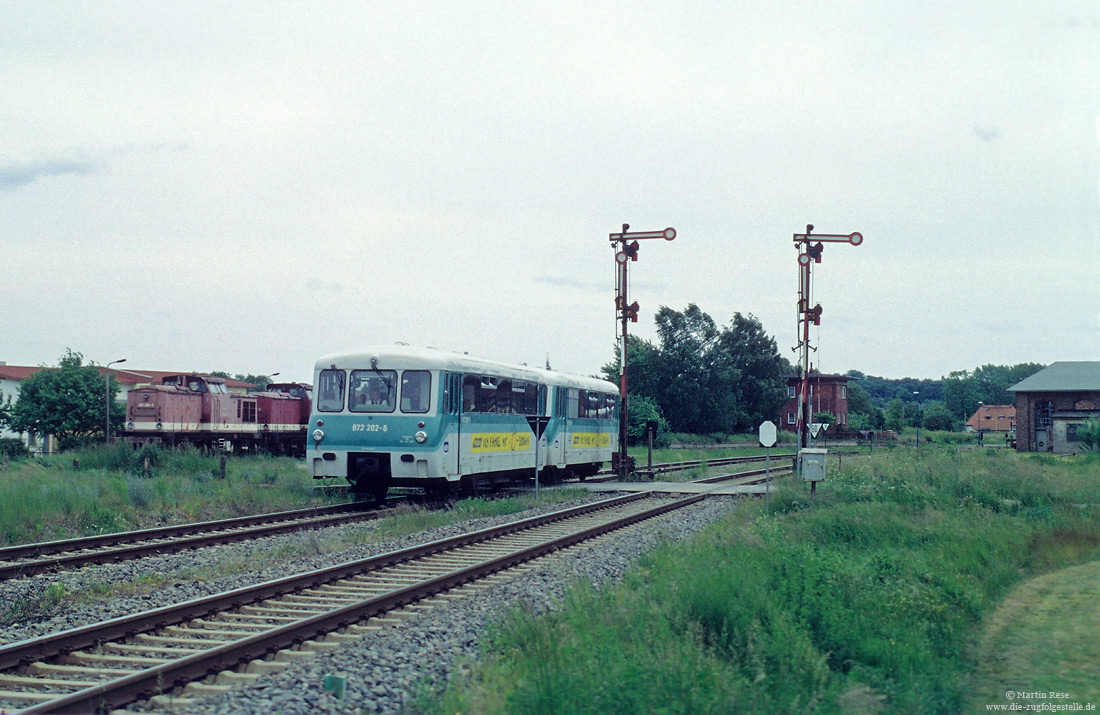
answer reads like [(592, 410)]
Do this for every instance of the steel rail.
[(232, 654), (690, 464), (25, 652), (42, 548), (755, 473), (136, 550)]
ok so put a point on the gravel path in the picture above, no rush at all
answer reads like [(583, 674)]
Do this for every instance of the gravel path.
[(382, 669)]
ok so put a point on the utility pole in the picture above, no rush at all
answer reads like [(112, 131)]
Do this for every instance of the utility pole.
[(809, 253), (627, 313)]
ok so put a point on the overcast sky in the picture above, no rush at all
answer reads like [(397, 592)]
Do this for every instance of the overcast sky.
[(248, 186)]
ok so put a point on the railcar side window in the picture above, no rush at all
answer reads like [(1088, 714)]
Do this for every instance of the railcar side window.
[(504, 396), (373, 391), (488, 397), (612, 403), (530, 398), (572, 403), (471, 386), (416, 389), (330, 391)]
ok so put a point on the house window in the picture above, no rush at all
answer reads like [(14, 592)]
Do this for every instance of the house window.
[(790, 390), (844, 392), (1071, 432), (790, 418)]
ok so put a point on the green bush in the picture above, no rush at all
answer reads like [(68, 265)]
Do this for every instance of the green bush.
[(13, 448), (1088, 434)]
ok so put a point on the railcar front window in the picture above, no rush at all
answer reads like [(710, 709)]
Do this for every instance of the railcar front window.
[(372, 391), (330, 391), (416, 389)]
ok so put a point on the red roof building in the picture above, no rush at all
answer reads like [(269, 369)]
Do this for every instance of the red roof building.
[(993, 418)]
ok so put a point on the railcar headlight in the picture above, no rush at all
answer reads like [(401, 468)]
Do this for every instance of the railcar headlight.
[(318, 435), (421, 437)]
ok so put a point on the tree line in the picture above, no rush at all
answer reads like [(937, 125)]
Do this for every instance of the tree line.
[(700, 378), (945, 404)]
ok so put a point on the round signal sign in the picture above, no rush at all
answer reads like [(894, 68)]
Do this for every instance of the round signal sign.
[(804, 259), (620, 257), (856, 238), (669, 233)]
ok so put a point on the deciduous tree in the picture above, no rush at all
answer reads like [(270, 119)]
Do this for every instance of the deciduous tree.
[(67, 402)]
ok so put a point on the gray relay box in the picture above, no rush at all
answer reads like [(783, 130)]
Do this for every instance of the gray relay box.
[(812, 464)]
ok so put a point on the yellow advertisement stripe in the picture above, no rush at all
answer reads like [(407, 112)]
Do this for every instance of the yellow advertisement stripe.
[(582, 440), (500, 441)]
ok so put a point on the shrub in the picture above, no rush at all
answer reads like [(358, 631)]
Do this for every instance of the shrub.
[(1088, 434), (13, 448)]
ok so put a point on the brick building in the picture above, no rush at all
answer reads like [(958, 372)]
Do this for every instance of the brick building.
[(828, 393), (1053, 403)]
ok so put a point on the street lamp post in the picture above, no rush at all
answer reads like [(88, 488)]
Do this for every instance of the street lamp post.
[(107, 396), (916, 395)]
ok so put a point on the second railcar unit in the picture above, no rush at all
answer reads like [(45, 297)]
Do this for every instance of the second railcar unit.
[(403, 416)]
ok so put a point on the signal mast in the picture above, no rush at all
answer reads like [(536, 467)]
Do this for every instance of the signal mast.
[(809, 253), (627, 313)]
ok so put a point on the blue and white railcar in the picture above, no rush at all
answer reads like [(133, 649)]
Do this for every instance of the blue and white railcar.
[(404, 416)]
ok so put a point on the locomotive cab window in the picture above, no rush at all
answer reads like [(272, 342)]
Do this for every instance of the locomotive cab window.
[(372, 391), (416, 389), (330, 391)]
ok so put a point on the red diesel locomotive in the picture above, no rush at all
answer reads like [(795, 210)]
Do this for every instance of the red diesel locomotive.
[(199, 410)]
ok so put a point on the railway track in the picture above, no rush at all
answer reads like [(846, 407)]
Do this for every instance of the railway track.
[(607, 475), (754, 476), (30, 559), (207, 644)]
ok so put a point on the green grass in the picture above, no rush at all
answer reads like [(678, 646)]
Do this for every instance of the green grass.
[(46, 498), (868, 601)]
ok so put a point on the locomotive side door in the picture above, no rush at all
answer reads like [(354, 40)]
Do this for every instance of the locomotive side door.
[(452, 423)]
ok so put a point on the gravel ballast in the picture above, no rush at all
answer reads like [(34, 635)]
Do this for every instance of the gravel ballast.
[(382, 669)]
